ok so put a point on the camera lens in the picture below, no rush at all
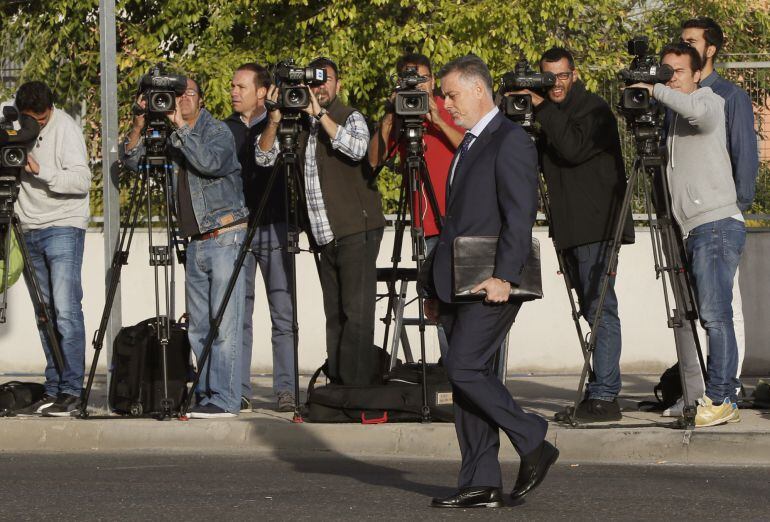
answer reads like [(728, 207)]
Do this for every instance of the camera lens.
[(14, 157), (520, 103), (162, 102), (412, 102)]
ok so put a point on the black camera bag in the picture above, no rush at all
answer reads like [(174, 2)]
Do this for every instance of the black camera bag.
[(15, 395), (398, 399), (136, 387)]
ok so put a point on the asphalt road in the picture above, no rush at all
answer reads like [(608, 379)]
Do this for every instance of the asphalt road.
[(146, 487)]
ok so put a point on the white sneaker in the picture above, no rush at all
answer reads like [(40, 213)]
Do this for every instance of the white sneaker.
[(676, 410)]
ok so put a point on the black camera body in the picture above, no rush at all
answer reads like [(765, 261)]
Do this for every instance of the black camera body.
[(409, 100), (518, 107), (161, 89), (644, 69), (293, 82), (643, 114), (14, 141)]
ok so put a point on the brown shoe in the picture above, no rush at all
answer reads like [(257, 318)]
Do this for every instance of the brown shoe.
[(285, 401)]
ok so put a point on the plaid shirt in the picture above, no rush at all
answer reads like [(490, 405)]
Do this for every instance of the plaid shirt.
[(352, 139)]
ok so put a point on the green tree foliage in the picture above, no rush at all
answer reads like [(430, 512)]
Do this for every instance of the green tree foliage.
[(59, 40)]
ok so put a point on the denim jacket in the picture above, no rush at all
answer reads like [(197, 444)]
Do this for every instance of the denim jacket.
[(207, 152)]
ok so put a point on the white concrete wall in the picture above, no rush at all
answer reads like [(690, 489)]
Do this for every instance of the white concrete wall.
[(543, 337)]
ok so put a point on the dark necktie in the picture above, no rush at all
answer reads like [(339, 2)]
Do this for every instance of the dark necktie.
[(464, 146)]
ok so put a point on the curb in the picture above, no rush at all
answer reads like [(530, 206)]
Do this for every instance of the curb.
[(270, 434)]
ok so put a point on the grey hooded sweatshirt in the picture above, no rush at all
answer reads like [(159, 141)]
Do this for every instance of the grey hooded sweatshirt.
[(699, 170)]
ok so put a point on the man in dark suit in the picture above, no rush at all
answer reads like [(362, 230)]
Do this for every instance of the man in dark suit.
[(491, 191)]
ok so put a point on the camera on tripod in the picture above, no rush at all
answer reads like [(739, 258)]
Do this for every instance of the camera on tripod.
[(643, 115), (293, 82), (159, 90), (518, 107), (644, 69), (17, 132), (410, 100)]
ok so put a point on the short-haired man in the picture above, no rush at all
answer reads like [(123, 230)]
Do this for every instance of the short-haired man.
[(53, 209), (345, 219), (706, 36), (208, 194), (492, 192), (582, 163), (248, 90), (704, 203)]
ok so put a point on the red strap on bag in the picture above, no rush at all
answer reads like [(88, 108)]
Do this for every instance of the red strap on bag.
[(379, 420)]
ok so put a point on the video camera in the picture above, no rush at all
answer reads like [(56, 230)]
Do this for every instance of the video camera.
[(644, 69), (409, 100), (293, 82), (159, 90), (643, 114), (518, 107), (17, 133)]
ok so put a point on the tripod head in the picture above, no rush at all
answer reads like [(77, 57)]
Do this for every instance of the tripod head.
[(412, 131), (288, 133)]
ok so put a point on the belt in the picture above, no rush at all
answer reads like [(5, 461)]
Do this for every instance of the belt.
[(217, 232)]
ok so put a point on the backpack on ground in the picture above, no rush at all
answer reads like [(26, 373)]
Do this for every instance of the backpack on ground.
[(136, 387), (15, 395)]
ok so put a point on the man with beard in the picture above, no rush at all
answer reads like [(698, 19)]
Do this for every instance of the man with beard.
[(705, 35), (248, 91), (581, 160), (345, 221), (208, 194)]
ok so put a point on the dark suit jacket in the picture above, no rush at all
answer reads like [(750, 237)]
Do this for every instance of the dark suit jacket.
[(494, 193)]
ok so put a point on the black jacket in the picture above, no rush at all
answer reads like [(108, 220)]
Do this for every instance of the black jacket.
[(255, 177), (494, 193), (582, 163)]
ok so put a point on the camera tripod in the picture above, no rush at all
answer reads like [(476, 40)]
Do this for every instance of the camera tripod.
[(670, 264), (10, 225), (414, 180), (287, 164), (155, 167)]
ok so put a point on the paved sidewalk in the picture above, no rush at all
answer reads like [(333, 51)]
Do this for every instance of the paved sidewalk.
[(643, 438)]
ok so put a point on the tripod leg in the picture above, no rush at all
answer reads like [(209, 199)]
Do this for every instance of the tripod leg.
[(395, 258), (119, 259)]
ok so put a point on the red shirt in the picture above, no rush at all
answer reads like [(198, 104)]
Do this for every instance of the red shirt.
[(438, 157)]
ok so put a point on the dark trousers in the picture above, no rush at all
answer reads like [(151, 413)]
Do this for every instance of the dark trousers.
[(348, 272), (482, 404)]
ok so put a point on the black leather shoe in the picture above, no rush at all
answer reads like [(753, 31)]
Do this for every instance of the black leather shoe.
[(533, 468), (471, 498)]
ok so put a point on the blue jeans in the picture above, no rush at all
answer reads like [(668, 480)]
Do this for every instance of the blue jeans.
[(714, 250), (56, 255), (268, 250), (585, 265), (210, 264)]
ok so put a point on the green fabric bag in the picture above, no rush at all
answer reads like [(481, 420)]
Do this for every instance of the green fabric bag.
[(15, 263)]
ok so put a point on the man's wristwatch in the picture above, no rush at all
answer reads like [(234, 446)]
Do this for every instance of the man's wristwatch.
[(320, 114)]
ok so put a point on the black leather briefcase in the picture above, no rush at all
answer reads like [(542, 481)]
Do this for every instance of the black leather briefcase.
[(473, 261)]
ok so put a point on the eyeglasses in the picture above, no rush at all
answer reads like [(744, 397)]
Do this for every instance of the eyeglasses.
[(563, 75), (190, 93)]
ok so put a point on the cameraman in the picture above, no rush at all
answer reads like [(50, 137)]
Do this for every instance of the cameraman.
[(268, 249), (583, 167), (53, 208), (706, 36), (210, 210), (440, 138), (704, 203), (344, 212)]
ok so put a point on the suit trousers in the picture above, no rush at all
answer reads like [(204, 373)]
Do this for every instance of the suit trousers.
[(482, 404)]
